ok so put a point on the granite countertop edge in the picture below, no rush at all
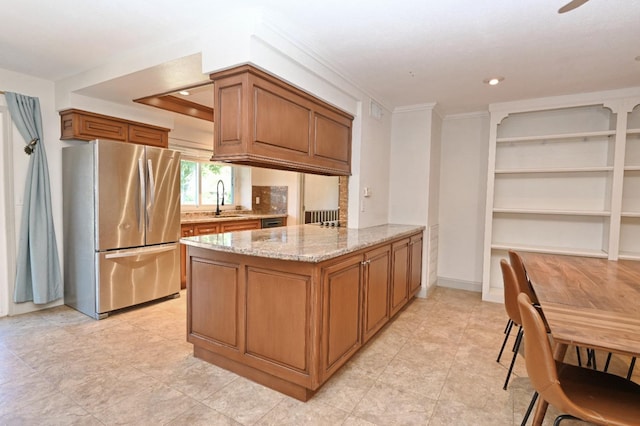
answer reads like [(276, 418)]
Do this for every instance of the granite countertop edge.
[(208, 242), (223, 218)]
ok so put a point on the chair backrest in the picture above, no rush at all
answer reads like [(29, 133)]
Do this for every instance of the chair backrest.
[(538, 355), (511, 291), (521, 274)]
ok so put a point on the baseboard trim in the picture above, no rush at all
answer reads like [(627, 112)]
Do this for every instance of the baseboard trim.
[(460, 284)]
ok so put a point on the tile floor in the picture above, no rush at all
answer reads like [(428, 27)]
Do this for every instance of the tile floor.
[(434, 364)]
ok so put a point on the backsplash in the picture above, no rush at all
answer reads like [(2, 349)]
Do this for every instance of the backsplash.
[(273, 199)]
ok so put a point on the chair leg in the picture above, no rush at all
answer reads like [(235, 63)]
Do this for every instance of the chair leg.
[(506, 337), (507, 328), (562, 417), (591, 359), (515, 354), (633, 364), (531, 404), (579, 357), (606, 364)]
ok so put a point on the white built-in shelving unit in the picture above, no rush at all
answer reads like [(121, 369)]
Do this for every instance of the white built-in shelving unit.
[(563, 178)]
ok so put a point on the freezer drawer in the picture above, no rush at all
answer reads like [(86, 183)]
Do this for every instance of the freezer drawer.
[(132, 276)]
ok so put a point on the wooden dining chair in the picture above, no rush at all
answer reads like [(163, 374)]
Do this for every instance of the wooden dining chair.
[(511, 291), (579, 393)]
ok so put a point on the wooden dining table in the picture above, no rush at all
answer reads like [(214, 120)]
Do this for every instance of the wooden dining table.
[(587, 302)]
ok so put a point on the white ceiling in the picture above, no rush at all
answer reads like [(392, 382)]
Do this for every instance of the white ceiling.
[(404, 52)]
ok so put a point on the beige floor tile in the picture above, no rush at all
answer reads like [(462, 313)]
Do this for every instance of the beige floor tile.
[(293, 412), (155, 404), (426, 378), (345, 389), (433, 364), (201, 415), (388, 405), (244, 401)]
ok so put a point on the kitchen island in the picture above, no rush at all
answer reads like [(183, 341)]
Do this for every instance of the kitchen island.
[(287, 307)]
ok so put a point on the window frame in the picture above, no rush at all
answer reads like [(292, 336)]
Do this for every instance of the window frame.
[(198, 205)]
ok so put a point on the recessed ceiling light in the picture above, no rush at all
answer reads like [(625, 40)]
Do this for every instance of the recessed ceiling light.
[(184, 92), (493, 80)]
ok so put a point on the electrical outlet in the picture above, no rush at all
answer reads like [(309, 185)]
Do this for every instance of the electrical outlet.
[(257, 200)]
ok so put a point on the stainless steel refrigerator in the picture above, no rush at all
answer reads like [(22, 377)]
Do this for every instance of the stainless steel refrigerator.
[(121, 205)]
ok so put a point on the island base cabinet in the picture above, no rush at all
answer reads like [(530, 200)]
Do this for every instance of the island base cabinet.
[(341, 313), (291, 325)]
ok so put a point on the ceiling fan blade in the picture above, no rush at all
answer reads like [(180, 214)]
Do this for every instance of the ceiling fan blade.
[(571, 5)]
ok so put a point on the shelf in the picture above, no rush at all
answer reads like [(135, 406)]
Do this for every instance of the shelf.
[(601, 213), (630, 214), (551, 250), (560, 136), (556, 170), (631, 168), (633, 131)]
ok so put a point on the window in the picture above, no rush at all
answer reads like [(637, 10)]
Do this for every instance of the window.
[(199, 183)]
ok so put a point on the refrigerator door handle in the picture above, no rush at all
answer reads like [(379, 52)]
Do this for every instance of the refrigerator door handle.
[(141, 251), (142, 192), (152, 193)]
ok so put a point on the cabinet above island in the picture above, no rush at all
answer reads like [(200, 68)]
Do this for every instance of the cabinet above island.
[(263, 121), (287, 307)]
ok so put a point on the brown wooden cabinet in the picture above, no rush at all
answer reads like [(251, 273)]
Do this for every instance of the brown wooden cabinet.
[(376, 291), (240, 225), (290, 325), (341, 313), (86, 126), (206, 228), (400, 275), (265, 122), (415, 262)]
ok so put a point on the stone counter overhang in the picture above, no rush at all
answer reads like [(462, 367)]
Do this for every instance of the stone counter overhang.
[(302, 243)]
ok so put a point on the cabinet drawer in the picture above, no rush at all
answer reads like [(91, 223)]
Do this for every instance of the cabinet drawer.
[(148, 136), (206, 228), (187, 230), (240, 225)]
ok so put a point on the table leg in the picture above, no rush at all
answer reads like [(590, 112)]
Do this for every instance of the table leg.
[(559, 351)]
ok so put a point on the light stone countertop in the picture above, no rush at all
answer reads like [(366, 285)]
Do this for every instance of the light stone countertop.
[(225, 217), (303, 243)]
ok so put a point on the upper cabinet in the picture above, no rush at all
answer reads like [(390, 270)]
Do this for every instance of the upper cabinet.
[(563, 179), (86, 126), (265, 122)]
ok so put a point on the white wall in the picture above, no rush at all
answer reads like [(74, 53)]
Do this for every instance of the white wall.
[(375, 149), (414, 162), (410, 164), (463, 180), (321, 192), (14, 169)]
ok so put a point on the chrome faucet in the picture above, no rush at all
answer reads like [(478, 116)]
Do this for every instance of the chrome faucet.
[(218, 196)]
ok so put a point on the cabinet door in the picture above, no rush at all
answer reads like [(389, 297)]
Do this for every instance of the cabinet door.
[(185, 231), (147, 135), (206, 228), (332, 140), (88, 127), (399, 275), (415, 263), (240, 225), (341, 314), (376, 290)]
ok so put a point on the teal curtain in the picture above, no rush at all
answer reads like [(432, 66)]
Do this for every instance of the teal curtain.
[(38, 276)]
